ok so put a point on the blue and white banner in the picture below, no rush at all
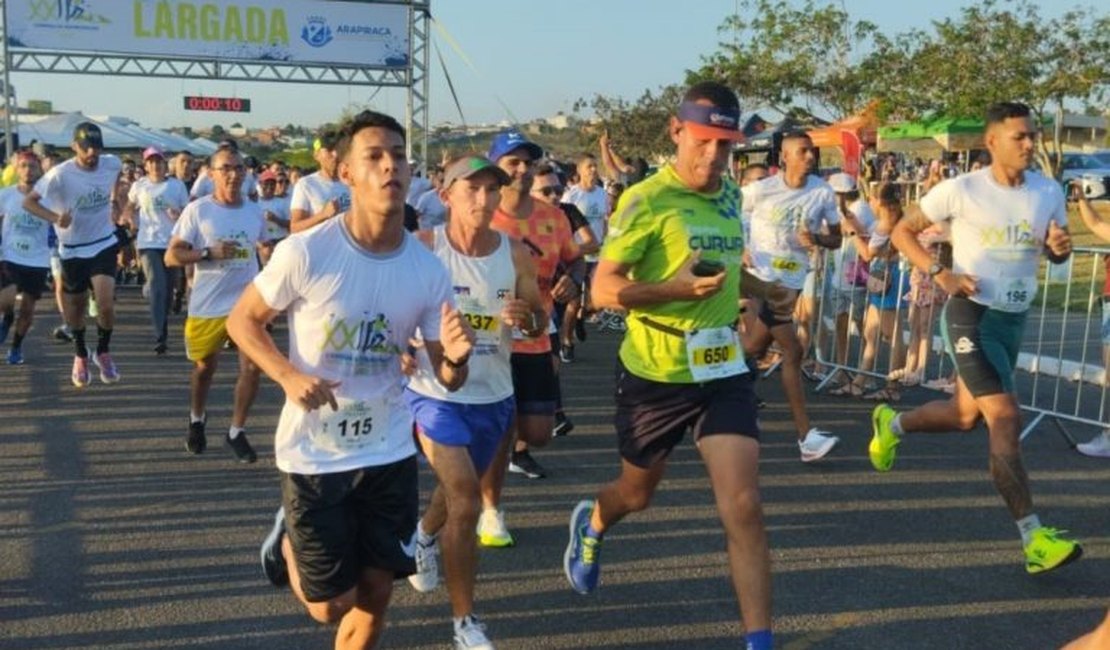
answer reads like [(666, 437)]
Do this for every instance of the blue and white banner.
[(360, 34)]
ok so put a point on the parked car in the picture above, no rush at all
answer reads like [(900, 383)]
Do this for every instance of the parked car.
[(1091, 174)]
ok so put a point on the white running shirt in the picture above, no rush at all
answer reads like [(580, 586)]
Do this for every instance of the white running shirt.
[(593, 205), (481, 285), (87, 196), (217, 284), (154, 201), (279, 205), (313, 191), (847, 254), (204, 186), (777, 213), (351, 315), (998, 232), (25, 238)]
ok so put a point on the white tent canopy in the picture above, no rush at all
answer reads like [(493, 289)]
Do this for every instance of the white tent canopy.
[(57, 131), (153, 137), (118, 132)]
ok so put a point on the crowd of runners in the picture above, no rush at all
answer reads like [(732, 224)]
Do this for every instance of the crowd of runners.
[(430, 315)]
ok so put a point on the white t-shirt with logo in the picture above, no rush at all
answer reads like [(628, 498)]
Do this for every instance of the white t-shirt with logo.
[(155, 200), (594, 206), (26, 238), (351, 315), (778, 212), (217, 284), (313, 191), (279, 205), (87, 196), (998, 232)]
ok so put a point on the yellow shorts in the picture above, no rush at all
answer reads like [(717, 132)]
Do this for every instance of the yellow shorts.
[(204, 337)]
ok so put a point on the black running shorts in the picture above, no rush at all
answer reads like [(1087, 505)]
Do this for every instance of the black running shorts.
[(78, 272), (28, 280), (983, 344), (342, 523), (653, 416), (534, 383)]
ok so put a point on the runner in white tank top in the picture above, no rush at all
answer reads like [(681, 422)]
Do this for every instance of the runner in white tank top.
[(495, 288)]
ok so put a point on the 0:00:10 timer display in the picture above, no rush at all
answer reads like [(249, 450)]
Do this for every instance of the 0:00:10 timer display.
[(229, 104)]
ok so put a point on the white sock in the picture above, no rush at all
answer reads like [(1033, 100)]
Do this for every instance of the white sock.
[(896, 426), (422, 537), (193, 417), (1027, 525), (234, 432)]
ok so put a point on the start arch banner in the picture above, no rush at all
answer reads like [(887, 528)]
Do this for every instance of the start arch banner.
[(362, 34)]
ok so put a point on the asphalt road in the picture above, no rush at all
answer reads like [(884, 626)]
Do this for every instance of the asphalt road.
[(112, 537)]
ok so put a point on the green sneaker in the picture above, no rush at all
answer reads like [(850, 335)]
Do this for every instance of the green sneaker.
[(883, 443), (491, 530), (1048, 550)]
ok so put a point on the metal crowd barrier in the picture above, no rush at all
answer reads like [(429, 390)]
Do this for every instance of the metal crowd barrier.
[(1061, 367)]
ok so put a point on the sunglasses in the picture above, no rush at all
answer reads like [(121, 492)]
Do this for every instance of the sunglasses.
[(550, 190)]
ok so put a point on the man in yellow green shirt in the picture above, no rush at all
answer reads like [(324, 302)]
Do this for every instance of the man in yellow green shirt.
[(672, 261)]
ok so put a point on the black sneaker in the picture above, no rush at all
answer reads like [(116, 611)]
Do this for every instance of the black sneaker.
[(241, 447), (566, 353), (273, 563), (61, 333), (196, 442), (563, 425), (523, 463), (161, 348)]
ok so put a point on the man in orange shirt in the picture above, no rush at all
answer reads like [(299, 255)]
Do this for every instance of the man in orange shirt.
[(545, 232)]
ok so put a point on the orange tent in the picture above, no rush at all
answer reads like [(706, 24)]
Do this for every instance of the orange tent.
[(864, 126)]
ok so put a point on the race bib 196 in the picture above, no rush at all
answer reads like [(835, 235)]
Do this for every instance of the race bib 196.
[(1013, 295)]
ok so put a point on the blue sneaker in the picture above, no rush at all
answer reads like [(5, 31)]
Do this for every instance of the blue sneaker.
[(581, 560), (15, 357)]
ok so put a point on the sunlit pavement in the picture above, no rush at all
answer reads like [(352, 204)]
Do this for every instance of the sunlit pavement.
[(112, 537)]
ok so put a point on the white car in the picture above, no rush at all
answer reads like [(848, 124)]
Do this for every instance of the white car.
[(1088, 172)]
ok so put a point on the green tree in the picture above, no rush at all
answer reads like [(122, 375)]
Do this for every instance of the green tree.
[(993, 51), (780, 55), (217, 131), (636, 128)]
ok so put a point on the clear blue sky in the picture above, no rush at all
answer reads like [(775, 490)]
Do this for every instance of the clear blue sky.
[(536, 57)]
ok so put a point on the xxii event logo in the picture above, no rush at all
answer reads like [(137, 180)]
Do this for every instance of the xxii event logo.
[(69, 11)]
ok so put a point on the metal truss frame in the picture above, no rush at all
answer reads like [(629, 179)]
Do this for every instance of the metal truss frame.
[(414, 76)]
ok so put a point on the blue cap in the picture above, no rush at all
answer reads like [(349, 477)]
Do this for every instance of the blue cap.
[(506, 141)]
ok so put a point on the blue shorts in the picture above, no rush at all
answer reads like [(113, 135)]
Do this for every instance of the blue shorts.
[(478, 427)]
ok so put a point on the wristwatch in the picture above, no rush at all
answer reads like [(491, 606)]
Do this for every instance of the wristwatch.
[(935, 269), (206, 255)]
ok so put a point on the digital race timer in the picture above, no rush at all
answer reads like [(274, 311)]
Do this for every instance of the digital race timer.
[(229, 104)]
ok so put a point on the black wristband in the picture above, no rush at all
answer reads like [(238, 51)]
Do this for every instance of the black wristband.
[(456, 365)]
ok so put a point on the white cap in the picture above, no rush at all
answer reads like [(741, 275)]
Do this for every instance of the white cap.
[(842, 183)]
